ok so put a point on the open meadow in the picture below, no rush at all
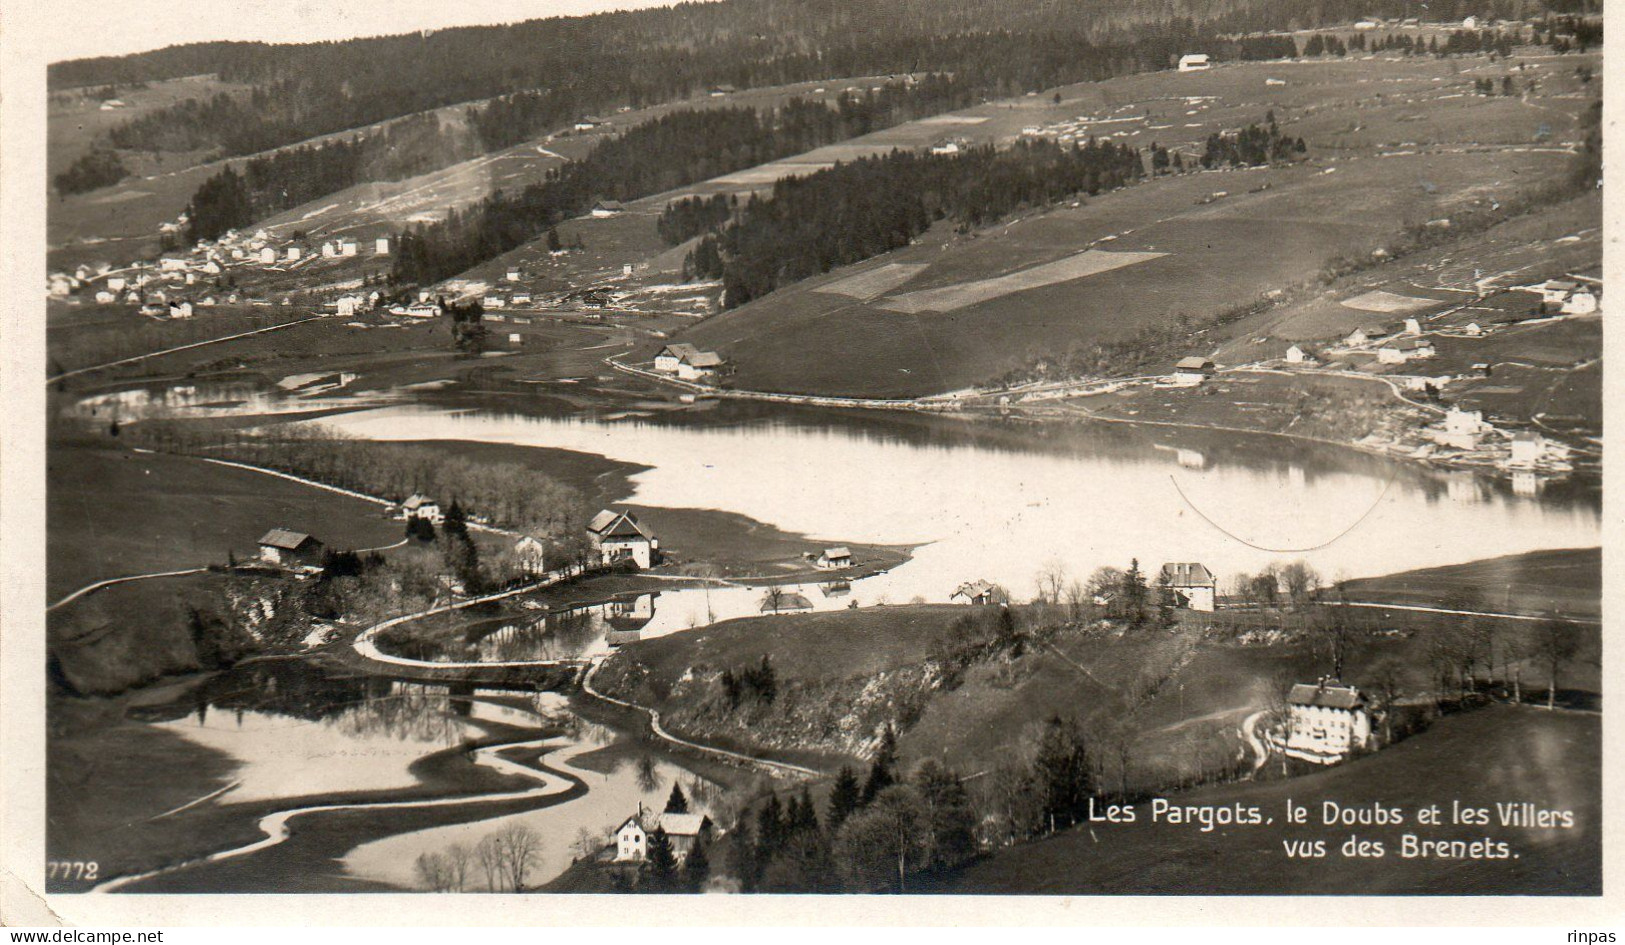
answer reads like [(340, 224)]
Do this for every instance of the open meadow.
[(113, 512)]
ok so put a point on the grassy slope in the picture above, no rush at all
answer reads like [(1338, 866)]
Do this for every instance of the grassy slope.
[(112, 512), (1082, 673), (807, 646), (1498, 754), (1567, 581), (75, 122)]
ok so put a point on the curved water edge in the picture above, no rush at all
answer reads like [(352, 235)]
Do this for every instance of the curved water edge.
[(275, 825)]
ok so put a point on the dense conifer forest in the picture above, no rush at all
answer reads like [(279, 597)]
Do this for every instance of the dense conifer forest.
[(854, 211)]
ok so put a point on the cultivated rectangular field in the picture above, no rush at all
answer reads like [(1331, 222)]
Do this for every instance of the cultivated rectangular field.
[(949, 298)]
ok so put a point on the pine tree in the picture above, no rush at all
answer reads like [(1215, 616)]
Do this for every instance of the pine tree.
[(1134, 594), (662, 861), (1166, 601), (882, 771), (844, 798), (697, 865), (677, 803), (1061, 772), (769, 828)]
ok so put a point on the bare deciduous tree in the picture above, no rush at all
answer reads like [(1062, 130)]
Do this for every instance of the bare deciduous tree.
[(519, 846), (488, 853), (1051, 581)]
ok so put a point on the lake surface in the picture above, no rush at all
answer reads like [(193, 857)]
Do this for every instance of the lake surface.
[(982, 501)]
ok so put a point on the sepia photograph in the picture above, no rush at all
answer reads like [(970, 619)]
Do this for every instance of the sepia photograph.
[(907, 447)]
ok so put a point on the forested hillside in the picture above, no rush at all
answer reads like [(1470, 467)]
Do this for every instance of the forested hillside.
[(568, 65), (855, 211), (670, 152)]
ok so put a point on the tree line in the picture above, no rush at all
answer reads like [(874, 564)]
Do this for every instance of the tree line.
[(671, 151), (100, 167), (529, 78), (265, 186), (506, 494), (854, 211), (1252, 146)]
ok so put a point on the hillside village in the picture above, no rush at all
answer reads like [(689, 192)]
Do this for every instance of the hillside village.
[(830, 483)]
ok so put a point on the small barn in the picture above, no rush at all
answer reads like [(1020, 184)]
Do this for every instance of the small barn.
[(290, 549), (833, 559), (975, 593), (1190, 372)]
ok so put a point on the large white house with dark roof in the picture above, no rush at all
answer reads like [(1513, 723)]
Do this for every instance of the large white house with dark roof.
[(1326, 720)]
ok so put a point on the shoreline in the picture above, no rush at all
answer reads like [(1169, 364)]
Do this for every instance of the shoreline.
[(955, 405)]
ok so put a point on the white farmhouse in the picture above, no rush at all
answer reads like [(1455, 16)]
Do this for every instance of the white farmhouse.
[(1190, 372), (618, 536), (673, 355), (1194, 62), (701, 367), (380, 246), (631, 842), (531, 553), (1326, 721), (421, 506), (975, 593), (1400, 351), (833, 559), (1193, 582), (1300, 354)]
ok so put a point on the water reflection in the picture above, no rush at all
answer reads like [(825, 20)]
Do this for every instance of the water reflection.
[(572, 634), (235, 398), (997, 502), (296, 730)]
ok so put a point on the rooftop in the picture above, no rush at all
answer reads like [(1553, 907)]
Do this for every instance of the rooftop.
[(1187, 574), (1326, 694), (286, 539)]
